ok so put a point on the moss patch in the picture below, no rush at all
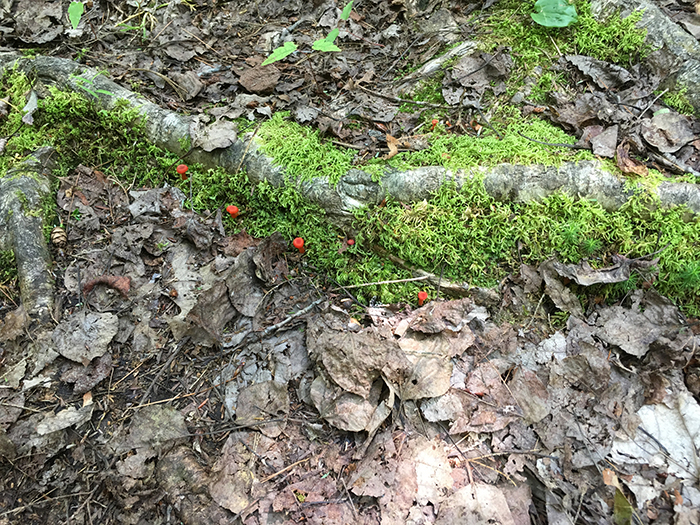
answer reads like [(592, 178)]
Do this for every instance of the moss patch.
[(466, 234)]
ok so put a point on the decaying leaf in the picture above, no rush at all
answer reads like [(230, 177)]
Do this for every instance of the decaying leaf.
[(68, 417), (84, 336), (667, 131), (627, 164), (231, 477), (621, 327), (85, 378), (263, 401), (211, 313), (583, 274), (14, 324), (30, 108), (270, 263), (562, 297), (234, 244), (393, 145), (220, 134), (120, 283)]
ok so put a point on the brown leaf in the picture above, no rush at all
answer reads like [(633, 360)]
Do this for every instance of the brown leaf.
[(627, 164), (120, 283), (393, 144), (15, 322), (233, 245)]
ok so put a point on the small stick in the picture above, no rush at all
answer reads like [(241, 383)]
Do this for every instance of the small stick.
[(285, 469), (554, 144), (179, 347), (651, 104), (423, 278)]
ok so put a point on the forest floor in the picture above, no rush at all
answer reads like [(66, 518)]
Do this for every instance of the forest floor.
[(195, 373)]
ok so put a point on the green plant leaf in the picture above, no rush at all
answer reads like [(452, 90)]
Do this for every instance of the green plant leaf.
[(332, 36), (554, 13), (326, 44), (75, 12), (346, 11), (622, 513), (281, 52)]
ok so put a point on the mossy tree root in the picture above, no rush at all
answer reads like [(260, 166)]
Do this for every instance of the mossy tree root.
[(23, 190), (173, 132)]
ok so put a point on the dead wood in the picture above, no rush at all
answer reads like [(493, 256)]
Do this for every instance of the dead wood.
[(22, 191)]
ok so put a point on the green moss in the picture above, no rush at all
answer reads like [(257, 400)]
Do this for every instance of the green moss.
[(475, 239), (301, 151), (305, 155), (616, 40), (678, 100), (8, 268), (466, 234)]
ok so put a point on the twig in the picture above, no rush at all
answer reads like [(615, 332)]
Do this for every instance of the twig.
[(534, 314), (202, 42), (279, 325), (285, 469), (423, 278), (352, 503), (651, 104), (401, 56), (167, 364), (414, 102), (247, 148), (289, 319), (554, 144), (181, 92)]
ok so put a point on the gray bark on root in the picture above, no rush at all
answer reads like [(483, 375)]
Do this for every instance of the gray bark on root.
[(356, 188), (22, 190)]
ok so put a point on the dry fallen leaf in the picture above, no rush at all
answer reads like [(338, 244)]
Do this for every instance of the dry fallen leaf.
[(627, 164), (120, 283), (393, 144)]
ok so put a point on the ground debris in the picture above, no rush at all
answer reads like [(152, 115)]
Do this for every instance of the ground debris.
[(229, 387)]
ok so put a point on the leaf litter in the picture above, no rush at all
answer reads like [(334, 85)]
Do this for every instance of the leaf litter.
[(452, 412), (437, 413)]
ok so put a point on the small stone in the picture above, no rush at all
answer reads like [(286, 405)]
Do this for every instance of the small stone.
[(260, 79)]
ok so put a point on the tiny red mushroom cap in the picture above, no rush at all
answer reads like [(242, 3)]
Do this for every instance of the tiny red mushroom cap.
[(232, 210), (422, 296), (298, 243), (182, 169), (351, 242)]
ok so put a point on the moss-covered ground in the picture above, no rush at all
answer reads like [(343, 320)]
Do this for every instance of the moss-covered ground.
[(465, 235)]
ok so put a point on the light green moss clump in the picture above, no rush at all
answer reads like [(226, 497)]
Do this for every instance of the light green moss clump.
[(678, 100), (474, 238), (301, 151)]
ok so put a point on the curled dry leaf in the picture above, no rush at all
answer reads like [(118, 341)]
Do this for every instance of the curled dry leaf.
[(627, 164), (393, 144), (120, 283)]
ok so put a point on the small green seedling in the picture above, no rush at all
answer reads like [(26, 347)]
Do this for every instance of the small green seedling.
[(281, 52), (554, 13), (75, 13), (324, 45)]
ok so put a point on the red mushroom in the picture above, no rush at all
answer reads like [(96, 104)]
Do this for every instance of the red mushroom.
[(422, 296), (232, 211), (182, 170), (298, 243), (351, 242)]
